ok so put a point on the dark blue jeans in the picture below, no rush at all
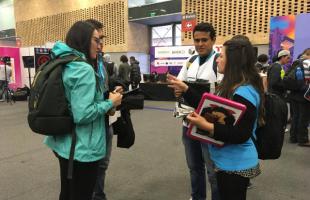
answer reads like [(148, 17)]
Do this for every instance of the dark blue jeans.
[(198, 159), (102, 168)]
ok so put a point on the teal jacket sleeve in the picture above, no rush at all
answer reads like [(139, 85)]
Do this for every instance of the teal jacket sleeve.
[(87, 104)]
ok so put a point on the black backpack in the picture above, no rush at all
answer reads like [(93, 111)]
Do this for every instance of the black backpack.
[(289, 79), (270, 137), (48, 107), (49, 112)]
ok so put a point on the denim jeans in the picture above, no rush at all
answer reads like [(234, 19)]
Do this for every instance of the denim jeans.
[(197, 157), (102, 168)]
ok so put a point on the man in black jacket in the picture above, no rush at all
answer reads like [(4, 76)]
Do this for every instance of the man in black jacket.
[(135, 74), (276, 74), (300, 106)]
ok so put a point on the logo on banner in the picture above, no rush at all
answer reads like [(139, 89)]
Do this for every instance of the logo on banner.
[(188, 22), (41, 56)]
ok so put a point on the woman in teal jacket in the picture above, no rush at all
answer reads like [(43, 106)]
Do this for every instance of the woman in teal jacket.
[(237, 161), (88, 107)]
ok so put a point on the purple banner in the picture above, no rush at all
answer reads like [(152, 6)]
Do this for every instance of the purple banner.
[(302, 34)]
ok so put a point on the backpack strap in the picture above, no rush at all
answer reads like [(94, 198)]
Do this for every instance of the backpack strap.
[(215, 64), (190, 61)]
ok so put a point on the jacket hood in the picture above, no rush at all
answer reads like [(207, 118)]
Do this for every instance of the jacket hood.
[(61, 49)]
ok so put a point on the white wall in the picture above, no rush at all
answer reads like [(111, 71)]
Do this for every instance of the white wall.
[(26, 51), (7, 19)]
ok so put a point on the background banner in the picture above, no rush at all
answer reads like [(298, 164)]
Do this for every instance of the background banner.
[(41, 55), (171, 59), (282, 34)]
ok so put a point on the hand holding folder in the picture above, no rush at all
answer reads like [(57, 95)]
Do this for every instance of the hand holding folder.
[(213, 109)]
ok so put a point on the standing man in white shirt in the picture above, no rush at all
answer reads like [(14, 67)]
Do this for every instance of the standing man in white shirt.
[(200, 68), (4, 79)]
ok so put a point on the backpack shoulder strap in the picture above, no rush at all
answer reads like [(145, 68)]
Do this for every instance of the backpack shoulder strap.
[(70, 58), (54, 63), (191, 60), (215, 64)]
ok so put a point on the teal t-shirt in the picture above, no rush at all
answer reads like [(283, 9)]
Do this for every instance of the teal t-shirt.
[(234, 157)]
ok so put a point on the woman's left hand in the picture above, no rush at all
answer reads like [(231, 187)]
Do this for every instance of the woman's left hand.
[(200, 122)]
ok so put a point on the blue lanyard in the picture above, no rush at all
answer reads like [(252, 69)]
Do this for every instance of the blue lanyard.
[(100, 69)]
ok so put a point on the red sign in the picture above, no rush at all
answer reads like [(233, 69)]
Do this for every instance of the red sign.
[(188, 22)]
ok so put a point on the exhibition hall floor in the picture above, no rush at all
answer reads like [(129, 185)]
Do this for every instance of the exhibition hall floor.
[(153, 169)]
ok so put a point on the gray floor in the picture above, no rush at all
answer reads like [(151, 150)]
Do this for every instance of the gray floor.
[(153, 169)]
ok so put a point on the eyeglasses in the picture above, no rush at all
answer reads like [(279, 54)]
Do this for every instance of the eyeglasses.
[(98, 40), (201, 40)]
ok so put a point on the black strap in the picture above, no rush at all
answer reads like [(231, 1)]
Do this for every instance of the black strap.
[(71, 156), (193, 58), (215, 63)]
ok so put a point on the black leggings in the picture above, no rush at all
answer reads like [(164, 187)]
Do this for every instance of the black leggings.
[(232, 186), (82, 185)]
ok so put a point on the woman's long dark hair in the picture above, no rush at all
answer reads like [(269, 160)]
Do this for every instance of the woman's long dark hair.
[(240, 70), (79, 37)]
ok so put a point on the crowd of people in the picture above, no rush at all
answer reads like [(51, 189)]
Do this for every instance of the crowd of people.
[(94, 89)]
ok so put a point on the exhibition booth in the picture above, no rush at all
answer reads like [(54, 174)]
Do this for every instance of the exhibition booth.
[(286, 32)]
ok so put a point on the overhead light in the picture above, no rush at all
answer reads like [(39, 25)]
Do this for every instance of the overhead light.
[(163, 10)]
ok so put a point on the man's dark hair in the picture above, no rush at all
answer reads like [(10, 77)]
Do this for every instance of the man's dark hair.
[(95, 23), (205, 27), (79, 37), (240, 37), (262, 58), (132, 58), (124, 59)]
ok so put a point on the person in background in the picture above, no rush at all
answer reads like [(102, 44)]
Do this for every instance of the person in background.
[(4, 79), (124, 70), (135, 74), (262, 63), (110, 66), (237, 161), (88, 107), (300, 107), (276, 74), (200, 69)]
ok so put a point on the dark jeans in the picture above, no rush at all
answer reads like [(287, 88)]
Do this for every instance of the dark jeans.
[(232, 186), (197, 158), (300, 122), (103, 166), (81, 186)]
